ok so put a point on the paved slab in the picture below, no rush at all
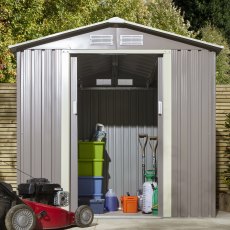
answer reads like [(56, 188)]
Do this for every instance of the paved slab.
[(221, 222)]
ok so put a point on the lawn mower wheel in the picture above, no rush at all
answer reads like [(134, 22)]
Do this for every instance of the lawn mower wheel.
[(84, 216), (20, 217)]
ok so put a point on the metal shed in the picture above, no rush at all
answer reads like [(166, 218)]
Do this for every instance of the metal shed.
[(171, 95)]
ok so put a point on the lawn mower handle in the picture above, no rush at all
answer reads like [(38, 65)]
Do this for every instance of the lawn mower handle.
[(13, 196)]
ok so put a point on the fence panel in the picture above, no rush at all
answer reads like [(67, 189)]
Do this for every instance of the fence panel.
[(222, 139), (8, 134)]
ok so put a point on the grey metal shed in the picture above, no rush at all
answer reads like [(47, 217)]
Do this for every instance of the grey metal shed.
[(171, 94)]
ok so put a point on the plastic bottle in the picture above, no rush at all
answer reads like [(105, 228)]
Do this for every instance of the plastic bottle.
[(111, 201), (155, 200), (99, 134), (140, 199), (147, 197)]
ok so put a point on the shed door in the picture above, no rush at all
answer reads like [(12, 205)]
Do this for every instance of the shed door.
[(74, 138)]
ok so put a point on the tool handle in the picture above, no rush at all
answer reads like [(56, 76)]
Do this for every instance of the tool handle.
[(142, 136), (153, 138)]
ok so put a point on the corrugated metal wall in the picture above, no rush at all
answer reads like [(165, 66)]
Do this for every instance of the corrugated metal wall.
[(125, 114), (193, 137), (39, 108)]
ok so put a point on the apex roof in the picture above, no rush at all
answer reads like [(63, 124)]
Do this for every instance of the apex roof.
[(119, 23)]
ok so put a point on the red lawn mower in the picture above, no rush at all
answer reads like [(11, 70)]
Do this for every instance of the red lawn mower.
[(37, 206)]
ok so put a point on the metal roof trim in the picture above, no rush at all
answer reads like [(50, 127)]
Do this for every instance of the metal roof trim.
[(180, 38), (119, 22), (55, 36)]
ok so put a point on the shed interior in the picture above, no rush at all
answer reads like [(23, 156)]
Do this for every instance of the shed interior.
[(120, 92)]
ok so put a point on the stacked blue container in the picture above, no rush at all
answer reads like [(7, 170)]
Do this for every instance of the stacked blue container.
[(90, 179), (90, 186)]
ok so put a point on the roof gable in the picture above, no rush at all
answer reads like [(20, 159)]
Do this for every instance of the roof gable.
[(79, 38)]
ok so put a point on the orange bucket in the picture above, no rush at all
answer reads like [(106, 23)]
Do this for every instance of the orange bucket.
[(129, 204)]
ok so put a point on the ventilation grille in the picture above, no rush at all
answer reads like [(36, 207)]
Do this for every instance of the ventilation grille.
[(103, 82), (125, 82), (101, 39), (131, 40)]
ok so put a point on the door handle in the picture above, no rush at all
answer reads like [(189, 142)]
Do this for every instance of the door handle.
[(160, 108), (74, 107)]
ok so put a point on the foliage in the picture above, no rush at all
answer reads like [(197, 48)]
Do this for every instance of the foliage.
[(202, 12), (226, 174), (22, 20), (19, 21), (196, 12), (214, 35), (164, 15), (61, 15), (220, 16), (137, 10)]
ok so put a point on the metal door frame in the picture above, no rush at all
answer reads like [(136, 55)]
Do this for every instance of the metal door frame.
[(69, 127)]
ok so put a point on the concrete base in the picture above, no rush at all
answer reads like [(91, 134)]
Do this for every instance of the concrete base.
[(125, 217), (121, 215), (221, 222)]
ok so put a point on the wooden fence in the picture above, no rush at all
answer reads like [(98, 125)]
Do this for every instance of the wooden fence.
[(222, 140), (8, 133)]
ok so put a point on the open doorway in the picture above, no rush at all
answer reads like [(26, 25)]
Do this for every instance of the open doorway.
[(120, 92)]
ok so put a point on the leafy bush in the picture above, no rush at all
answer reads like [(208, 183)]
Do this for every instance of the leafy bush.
[(214, 35), (24, 20), (165, 16)]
